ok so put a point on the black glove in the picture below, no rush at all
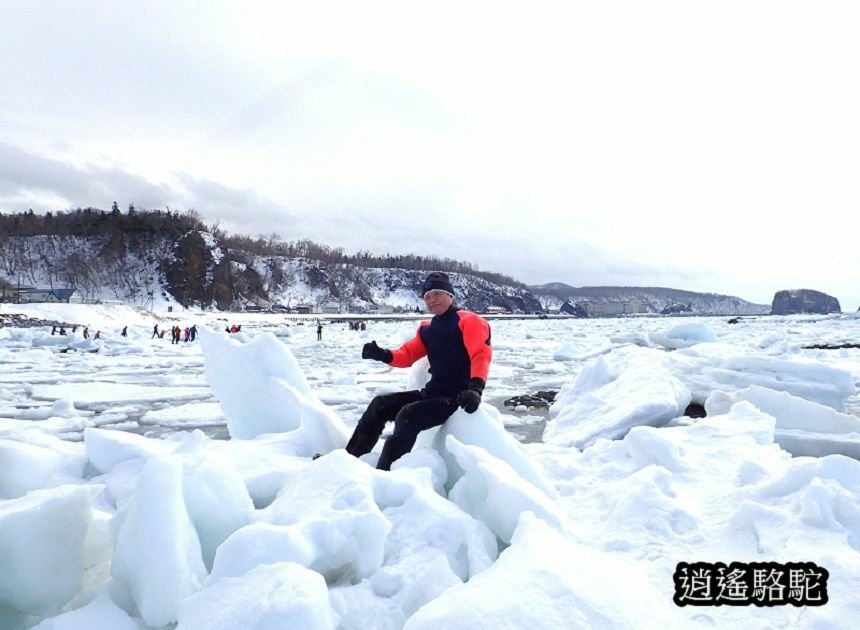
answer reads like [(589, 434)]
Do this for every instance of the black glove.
[(470, 399), (372, 351)]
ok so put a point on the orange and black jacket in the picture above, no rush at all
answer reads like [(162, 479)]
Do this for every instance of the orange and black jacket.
[(457, 344)]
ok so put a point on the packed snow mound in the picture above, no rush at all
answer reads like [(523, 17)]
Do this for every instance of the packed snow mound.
[(485, 429), (683, 336), (262, 389), (100, 613), (716, 488), (545, 580), (279, 595), (625, 388), (339, 531), (426, 528), (492, 492), (104, 317)]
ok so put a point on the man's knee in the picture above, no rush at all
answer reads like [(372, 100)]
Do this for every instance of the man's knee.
[(373, 419), (405, 416), (406, 434), (382, 401), (421, 415), (377, 406), (407, 422)]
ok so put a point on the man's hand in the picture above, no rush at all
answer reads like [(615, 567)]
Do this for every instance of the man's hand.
[(470, 399), (372, 351)]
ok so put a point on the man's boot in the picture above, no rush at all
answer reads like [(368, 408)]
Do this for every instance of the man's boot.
[(361, 443), (393, 450)]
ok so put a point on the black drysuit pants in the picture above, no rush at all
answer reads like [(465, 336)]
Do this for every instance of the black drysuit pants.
[(412, 412)]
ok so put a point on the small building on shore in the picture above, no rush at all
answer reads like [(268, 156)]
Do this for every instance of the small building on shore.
[(67, 295), (381, 309), (608, 309), (306, 309)]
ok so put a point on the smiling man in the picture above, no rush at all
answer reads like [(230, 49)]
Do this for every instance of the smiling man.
[(457, 344)]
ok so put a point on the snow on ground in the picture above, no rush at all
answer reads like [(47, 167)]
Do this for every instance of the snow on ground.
[(116, 513)]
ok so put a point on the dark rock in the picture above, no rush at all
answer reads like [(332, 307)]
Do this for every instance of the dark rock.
[(190, 270), (15, 320), (248, 283), (674, 309), (804, 301), (479, 299), (541, 399), (222, 285), (573, 309), (695, 410), (832, 346)]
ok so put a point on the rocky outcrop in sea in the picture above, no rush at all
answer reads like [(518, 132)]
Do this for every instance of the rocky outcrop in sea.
[(796, 301)]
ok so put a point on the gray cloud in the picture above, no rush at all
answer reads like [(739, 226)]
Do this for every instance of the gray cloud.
[(29, 180), (236, 210), (29, 176)]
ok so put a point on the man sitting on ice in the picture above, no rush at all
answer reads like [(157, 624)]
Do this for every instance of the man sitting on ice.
[(457, 344)]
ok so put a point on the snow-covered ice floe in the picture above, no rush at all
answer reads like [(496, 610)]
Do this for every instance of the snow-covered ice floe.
[(803, 427), (472, 529)]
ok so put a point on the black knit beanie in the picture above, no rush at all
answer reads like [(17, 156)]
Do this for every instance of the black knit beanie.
[(437, 281)]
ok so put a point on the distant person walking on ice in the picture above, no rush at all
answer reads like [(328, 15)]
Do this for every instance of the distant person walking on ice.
[(457, 344), (155, 332), (86, 333), (319, 331)]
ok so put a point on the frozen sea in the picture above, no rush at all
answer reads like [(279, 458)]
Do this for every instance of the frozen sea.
[(150, 485)]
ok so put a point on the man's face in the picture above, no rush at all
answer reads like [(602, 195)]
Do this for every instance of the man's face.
[(438, 301)]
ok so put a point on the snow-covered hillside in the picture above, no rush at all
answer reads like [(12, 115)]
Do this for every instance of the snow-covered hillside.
[(195, 269), (99, 267), (293, 281)]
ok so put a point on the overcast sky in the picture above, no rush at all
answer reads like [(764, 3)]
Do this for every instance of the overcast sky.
[(709, 146)]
